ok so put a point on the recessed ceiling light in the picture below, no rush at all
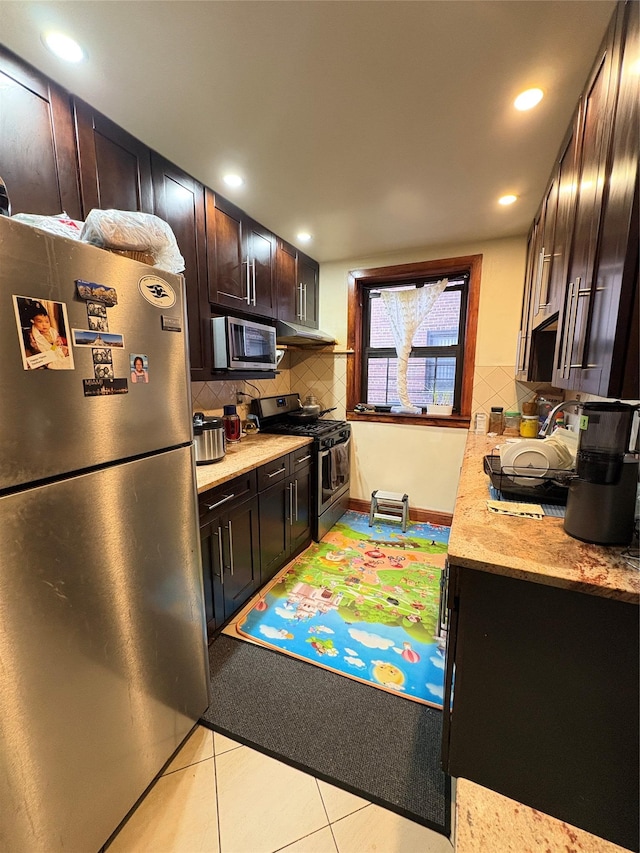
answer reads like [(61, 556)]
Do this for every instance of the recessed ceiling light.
[(507, 199), (233, 180), (64, 47), (304, 236), (527, 100)]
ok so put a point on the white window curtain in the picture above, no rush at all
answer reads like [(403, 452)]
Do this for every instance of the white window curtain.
[(407, 310)]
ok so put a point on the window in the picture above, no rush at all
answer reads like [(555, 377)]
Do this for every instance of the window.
[(441, 362)]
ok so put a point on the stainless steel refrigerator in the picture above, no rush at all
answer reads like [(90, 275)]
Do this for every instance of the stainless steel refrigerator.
[(103, 664)]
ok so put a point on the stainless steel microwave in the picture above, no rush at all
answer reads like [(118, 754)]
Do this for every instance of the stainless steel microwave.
[(243, 345)]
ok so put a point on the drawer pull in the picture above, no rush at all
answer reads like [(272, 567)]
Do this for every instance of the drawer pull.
[(219, 503), (304, 459), (279, 471)]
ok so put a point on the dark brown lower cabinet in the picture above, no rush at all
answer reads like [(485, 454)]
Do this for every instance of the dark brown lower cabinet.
[(230, 548), (249, 527), (285, 510), (542, 687)]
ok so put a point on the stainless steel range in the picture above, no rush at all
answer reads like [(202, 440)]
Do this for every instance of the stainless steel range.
[(331, 447)]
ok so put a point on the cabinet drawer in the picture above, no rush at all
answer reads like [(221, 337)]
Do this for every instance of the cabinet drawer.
[(226, 496), (300, 459), (273, 472)]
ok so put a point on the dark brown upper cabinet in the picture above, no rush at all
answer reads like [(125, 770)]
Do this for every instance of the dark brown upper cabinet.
[(37, 142), (179, 200), (581, 296), (241, 259), (115, 167), (609, 366), (308, 282), (594, 131), (287, 291), (297, 278)]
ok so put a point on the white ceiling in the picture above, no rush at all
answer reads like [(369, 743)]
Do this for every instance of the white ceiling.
[(376, 126)]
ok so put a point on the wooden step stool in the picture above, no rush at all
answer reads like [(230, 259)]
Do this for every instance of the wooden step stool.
[(389, 506)]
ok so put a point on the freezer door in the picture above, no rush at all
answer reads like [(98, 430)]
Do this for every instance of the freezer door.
[(48, 426), (102, 644)]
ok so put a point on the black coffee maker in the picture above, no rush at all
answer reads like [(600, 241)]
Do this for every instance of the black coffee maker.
[(602, 498)]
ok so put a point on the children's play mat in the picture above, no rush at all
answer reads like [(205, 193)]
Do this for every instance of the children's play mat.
[(363, 603)]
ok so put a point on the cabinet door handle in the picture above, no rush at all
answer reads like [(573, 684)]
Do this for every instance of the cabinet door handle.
[(519, 367), (585, 292), (230, 547), (247, 298), (544, 259), (219, 503), (221, 576), (305, 303), (253, 275), (296, 489), (567, 344), (538, 287), (279, 471), (290, 504), (300, 286)]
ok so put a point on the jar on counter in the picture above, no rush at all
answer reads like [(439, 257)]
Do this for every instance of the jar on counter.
[(511, 424), (496, 420), (231, 423), (529, 426)]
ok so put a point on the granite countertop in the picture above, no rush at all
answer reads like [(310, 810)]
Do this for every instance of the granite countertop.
[(251, 452), (488, 821), (536, 550)]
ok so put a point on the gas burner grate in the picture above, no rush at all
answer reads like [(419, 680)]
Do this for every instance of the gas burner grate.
[(317, 428)]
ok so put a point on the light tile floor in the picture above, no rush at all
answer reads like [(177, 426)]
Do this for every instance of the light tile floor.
[(218, 796)]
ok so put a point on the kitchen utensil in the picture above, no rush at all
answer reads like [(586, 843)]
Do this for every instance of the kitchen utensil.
[(311, 405), (527, 457), (209, 439), (303, 416)]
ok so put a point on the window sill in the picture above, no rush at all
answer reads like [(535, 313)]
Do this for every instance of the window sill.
[(451, 421)]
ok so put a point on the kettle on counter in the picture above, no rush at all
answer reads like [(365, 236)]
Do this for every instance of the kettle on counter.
[(209, 439)]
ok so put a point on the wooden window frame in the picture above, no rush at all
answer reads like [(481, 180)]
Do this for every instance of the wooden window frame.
[(358, 279)]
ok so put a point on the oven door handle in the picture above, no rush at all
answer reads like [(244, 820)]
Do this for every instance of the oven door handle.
[(327, 452)]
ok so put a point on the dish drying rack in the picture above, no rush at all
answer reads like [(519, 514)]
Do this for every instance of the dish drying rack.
[(543, 486)]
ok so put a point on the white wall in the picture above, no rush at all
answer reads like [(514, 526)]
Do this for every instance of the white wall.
[(422, 461)]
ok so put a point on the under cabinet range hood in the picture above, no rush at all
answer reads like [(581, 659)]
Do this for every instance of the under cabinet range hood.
[(289, 333)]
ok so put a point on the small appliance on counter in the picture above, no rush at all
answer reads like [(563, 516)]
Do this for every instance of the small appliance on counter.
[(209, 439), (601, 500)]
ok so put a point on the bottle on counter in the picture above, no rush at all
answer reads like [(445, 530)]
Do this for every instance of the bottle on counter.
[(511, 424), (231, 423), (496, 420)]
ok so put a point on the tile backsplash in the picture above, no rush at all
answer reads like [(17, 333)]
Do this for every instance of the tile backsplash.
[(324, 375), (211, 397), (496, 386)]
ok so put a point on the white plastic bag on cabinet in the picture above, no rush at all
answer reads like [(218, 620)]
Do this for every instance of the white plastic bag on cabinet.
[(135, 232)]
